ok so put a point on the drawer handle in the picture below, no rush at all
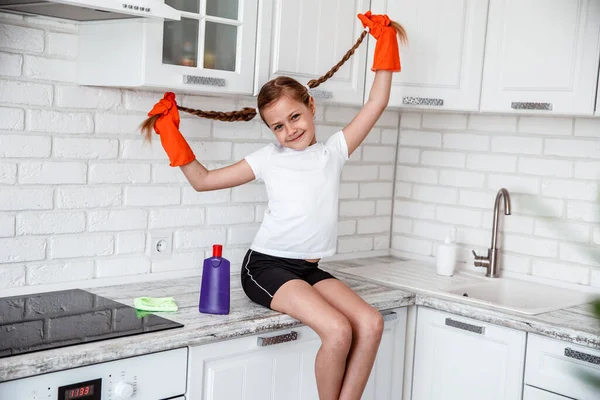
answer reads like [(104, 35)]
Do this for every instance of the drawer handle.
[(269, 341), (392, 316), (321, 94), (463, 325), (578, 355), (203, 80), (422, 101), (522, 105)]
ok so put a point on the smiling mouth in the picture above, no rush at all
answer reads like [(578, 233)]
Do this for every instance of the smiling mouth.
[(297, 137)]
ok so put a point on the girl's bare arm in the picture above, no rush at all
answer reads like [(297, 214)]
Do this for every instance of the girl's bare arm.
[(358, 129), (203, 180)]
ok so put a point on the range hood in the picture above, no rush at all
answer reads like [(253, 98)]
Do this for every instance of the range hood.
[(92, 10)]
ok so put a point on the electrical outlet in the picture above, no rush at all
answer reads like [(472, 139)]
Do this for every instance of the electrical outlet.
[(160, 245)]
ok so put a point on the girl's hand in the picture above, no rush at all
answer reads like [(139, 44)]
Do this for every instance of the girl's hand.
[(167, 127), (167, 109), (387, 55), (375, 22)]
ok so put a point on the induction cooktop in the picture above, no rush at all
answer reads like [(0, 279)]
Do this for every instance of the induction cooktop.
[(51, 320)]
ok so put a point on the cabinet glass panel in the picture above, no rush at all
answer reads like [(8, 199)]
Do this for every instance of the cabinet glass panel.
[(180, 42), (220, 46), (192, 6), (222, 8)]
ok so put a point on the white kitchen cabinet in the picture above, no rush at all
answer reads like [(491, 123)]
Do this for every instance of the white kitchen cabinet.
[(283, 366), (212, 49), (442, 63), (461, 358), (541, 56), (307, 38), (561, 367), (533, 393)]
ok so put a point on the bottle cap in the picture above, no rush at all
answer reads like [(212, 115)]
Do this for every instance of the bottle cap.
[(217, 250)]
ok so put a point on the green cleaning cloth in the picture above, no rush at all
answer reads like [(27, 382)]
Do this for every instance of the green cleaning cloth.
[(155, 304)]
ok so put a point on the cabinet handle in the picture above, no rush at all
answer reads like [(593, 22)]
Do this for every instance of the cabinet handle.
[(578, 355), (463, 325), (203, 80), (321, 94), (392, 316), (422, 101), (522, 105), (269, 341)]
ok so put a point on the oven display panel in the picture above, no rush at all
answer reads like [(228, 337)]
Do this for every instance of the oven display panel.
[(90, 390)]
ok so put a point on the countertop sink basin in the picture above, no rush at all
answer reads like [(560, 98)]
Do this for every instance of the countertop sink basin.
[(520, 296), (514, 295)]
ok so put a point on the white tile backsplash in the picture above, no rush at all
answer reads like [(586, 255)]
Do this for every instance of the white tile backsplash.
[(81, 195), (549, 165)]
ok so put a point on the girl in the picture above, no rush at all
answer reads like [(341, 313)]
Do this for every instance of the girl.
[(280, 271)]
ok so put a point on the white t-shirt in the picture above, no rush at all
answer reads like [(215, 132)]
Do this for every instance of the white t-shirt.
[(303, 186)]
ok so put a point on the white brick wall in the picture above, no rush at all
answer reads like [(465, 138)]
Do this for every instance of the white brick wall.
[(551, 167), (81, 195)]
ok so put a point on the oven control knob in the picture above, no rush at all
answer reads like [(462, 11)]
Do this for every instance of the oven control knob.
[(124, 390)]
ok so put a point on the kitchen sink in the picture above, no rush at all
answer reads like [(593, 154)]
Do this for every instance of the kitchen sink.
[(508, 294), (520, 296)]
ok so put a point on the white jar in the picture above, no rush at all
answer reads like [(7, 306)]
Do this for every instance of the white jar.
[(446, 256)]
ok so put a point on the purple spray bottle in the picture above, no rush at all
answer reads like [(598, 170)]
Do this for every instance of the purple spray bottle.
[(214, 292)]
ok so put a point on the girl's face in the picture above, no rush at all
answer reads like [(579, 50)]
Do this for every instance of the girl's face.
[(292, 122)]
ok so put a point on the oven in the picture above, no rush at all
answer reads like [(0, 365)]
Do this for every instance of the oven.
[(155, 376)]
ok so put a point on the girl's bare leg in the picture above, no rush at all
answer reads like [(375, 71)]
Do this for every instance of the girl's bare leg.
[(367, 328), (301, 301)]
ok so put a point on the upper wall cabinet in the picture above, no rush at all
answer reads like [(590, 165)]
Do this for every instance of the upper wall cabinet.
[(542, 56), (212, 49), (442, 64), (307, 38)]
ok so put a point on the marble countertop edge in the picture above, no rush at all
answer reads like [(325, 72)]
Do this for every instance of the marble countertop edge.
[(80, 355)]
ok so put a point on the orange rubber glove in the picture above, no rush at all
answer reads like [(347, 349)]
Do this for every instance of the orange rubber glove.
[(387, 55), (167, 127)]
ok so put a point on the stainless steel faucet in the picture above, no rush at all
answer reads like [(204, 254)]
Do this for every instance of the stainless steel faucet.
[(490, 261)]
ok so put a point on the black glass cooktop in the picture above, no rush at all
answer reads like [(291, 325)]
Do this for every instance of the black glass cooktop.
[(56, 319)]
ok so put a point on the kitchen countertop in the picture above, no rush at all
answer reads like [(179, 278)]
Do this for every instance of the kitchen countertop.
[(245, 318), (575, 324)]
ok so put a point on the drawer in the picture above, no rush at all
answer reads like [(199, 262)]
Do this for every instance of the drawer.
[(560, 367), (532, 393)]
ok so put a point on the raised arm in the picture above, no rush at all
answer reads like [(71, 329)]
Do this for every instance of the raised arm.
[(386, 61), (358, 129), (164, 120)]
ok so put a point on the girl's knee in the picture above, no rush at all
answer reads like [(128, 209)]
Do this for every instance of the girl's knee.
[(371, 324), (338, 333)]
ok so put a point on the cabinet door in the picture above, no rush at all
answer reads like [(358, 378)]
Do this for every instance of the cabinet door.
[(283, 368), (308, 38), (562, 367), (442, 63), (533, 393), (541, 56), (277, 365), (461, 358), (385, 382), (211, 48)]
